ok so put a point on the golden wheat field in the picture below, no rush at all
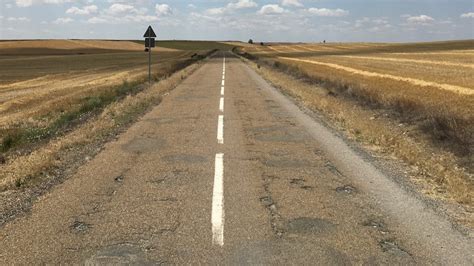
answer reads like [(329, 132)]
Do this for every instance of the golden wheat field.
[(433, 81), (47, 85), (32, 86)]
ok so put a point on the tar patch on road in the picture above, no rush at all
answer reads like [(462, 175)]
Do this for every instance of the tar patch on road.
[(144, 145), (305, 225), (120, 254)]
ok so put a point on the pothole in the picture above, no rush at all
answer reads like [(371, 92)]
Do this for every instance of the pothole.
[(266, 201), (297, 181), (300, 183), (392, 247), (276, 221), (79, 226), (169, 199), (375, 224), (304, 225), (333, 169), (348, 189), (119, 178)]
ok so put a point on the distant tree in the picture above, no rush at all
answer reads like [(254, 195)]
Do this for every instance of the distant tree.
[(262, 44), (251, 41)]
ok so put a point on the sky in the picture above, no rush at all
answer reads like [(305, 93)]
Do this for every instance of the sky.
[(265, 20)]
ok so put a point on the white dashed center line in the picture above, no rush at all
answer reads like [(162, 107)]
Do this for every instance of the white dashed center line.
[(221, 104), (218, 202), (217, 216), (220, 130)]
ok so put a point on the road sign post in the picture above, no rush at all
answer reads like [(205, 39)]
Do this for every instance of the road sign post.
[(149, 43)]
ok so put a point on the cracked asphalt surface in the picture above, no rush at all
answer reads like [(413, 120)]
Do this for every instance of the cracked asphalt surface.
[(146, 198)]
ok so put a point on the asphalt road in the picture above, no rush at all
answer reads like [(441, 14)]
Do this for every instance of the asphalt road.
[(249, 179)]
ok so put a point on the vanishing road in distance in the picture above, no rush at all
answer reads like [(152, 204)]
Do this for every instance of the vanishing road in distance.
[(227, 170)]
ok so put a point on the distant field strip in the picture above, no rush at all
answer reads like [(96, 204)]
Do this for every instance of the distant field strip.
[(464, 52), (275, 49), (304, 48), (418, 61), (419, 82)]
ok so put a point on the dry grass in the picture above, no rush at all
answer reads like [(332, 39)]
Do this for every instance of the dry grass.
[(62, 87), (416, 75), (42, 95), (21, 170), (54, 101), (67, 47), (431, 84), (70, 44)]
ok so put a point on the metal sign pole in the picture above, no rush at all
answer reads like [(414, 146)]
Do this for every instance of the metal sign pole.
[(149, 59), (149, 43), (149, 65)]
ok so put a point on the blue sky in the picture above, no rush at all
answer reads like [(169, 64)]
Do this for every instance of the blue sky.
[(266, 20)]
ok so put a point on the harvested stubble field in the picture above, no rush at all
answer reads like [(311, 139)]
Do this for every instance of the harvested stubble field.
[(427, 88), (35, 86), (49, 87)]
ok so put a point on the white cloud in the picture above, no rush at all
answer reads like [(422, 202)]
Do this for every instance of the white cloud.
[(119, 13), (216, 11), (421, 19), (19, 19), (87, 10), (120, 9), (27, 3), (242, 4), (365, 24), (63, 20), (468, 15), (140, 18), (96, 20), (24, 3), (291, 3), (326, 12), (8, 5), (163, 10), (271, 9)]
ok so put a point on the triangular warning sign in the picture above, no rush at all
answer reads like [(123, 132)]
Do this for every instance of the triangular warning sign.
[(149, 33)]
